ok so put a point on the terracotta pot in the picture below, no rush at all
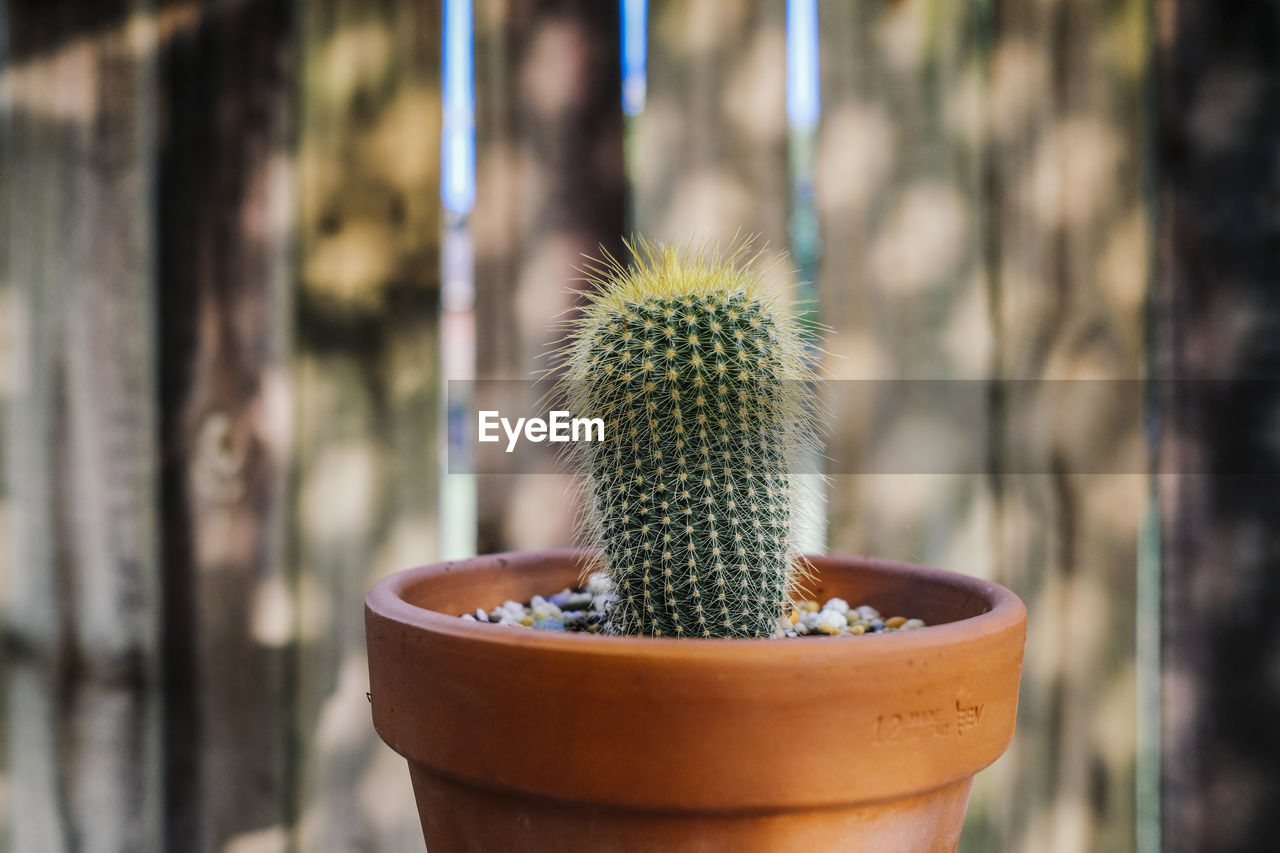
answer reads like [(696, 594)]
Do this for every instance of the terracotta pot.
[(532, 740)]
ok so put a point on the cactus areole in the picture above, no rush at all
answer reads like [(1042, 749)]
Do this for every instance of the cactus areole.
[(703, 379)]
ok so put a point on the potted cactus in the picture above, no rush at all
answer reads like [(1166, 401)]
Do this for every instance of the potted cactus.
[(683, 725)]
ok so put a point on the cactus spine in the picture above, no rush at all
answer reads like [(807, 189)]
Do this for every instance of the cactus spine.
[(700, 375)]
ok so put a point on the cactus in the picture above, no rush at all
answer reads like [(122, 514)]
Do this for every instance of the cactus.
[(701, 376)]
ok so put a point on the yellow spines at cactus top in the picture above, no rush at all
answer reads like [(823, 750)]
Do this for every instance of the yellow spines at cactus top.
[(702, 376)]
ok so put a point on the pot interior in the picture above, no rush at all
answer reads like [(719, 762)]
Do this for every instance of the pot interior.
[(892, 588)]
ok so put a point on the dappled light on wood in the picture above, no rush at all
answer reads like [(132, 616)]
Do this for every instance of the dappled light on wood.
[(705, 181), (921, 240), (856, 149), (1072, 174), (550, 191)]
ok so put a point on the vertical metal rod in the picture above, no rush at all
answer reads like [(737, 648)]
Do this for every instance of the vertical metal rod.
[(457, 294), (803, 115)]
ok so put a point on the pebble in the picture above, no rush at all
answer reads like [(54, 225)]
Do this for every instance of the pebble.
[(831, 622), (578, 601), (584, 610), (546, 610), (507, 611)]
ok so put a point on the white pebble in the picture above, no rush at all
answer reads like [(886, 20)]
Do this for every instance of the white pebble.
[(481, 616), (830, 622), (468, 617), (837, 605), (599, 583), (546, 610)]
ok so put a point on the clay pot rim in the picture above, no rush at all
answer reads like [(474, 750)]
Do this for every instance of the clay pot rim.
[(1004, 611)]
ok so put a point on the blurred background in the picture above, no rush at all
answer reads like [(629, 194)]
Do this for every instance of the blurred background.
[(246, 242)]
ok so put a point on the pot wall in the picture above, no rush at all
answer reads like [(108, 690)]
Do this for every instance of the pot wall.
[(460, 817), (518, 731)]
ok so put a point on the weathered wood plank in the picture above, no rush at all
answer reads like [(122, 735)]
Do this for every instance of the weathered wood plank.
[(1217, 319), (551, 188), (1068, 247), (902, 278), (365, 372), (710, 146), (904, 284), (226, 77), (979, 176), (81, 594)]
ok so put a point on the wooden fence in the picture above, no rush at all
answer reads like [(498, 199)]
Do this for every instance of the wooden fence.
[(220, 384)]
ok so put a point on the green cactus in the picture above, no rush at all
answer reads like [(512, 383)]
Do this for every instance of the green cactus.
[(701, 376)]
